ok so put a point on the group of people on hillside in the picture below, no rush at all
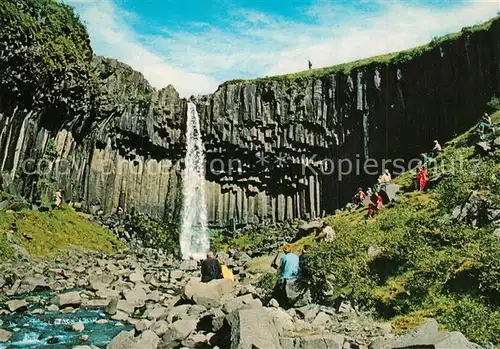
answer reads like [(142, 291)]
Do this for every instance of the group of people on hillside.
[(375, 203)]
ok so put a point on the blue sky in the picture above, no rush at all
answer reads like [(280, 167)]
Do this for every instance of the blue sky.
[(197, 44)]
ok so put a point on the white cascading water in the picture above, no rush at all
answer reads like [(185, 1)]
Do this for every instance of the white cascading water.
[(194, 239)]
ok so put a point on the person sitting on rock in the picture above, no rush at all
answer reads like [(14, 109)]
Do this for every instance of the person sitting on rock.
[(226, 272), (210, 268)]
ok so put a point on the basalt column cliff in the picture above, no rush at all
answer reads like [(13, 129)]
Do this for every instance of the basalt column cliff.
[(126, 149)]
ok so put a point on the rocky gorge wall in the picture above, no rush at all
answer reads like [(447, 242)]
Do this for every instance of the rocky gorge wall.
[(129, 153)]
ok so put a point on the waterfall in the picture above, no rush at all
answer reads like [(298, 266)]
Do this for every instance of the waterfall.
[(194, 239)]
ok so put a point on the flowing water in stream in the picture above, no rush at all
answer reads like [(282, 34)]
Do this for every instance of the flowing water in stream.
[(54, 329)]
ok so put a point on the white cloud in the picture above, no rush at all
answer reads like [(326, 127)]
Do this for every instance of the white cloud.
[(247, 43), (112, 36)]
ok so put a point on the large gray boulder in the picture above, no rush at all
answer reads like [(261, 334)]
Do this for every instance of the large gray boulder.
[(321, 341), (5, 336), (136, 296), (16, 305), (310, 227), (389, 192), (427, 336), (211, 294), (126, 340), (33, 283), (317, 341), (177, 332), (253, 328), (70, 299)]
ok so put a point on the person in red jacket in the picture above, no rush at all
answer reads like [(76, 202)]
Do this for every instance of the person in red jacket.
[(422, 178), (361, 196), (376, 203)]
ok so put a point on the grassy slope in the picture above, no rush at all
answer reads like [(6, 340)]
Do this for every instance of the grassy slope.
[(395, 57), (44, 234), (427, 265)]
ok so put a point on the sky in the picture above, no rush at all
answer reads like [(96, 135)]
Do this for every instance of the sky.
[(195, 45)]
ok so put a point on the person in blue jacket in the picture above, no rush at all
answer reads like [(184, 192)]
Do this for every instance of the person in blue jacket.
[(289, 264), (289, 272)]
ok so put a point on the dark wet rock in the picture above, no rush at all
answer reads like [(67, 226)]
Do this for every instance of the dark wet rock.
[(53, 340)]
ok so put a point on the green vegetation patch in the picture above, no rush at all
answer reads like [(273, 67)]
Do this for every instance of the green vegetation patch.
[(50, 71), (45, 234), (155, 234), (414, 261)]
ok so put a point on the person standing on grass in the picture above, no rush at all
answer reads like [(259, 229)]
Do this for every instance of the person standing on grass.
[(376, 204), (58, 199), (422, 178), (361, 195)]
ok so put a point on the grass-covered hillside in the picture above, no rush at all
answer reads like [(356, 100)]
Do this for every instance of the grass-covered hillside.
[(414, 260), (45, 234)]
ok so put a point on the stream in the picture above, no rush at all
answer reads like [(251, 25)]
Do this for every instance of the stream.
[(53, 329)]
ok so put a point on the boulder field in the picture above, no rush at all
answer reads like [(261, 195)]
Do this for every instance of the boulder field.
[(164, 305)]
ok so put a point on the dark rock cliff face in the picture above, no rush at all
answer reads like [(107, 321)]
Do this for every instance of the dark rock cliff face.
[(259, 136)]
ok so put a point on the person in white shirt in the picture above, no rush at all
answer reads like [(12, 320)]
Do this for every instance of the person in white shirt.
[(437, 148)]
